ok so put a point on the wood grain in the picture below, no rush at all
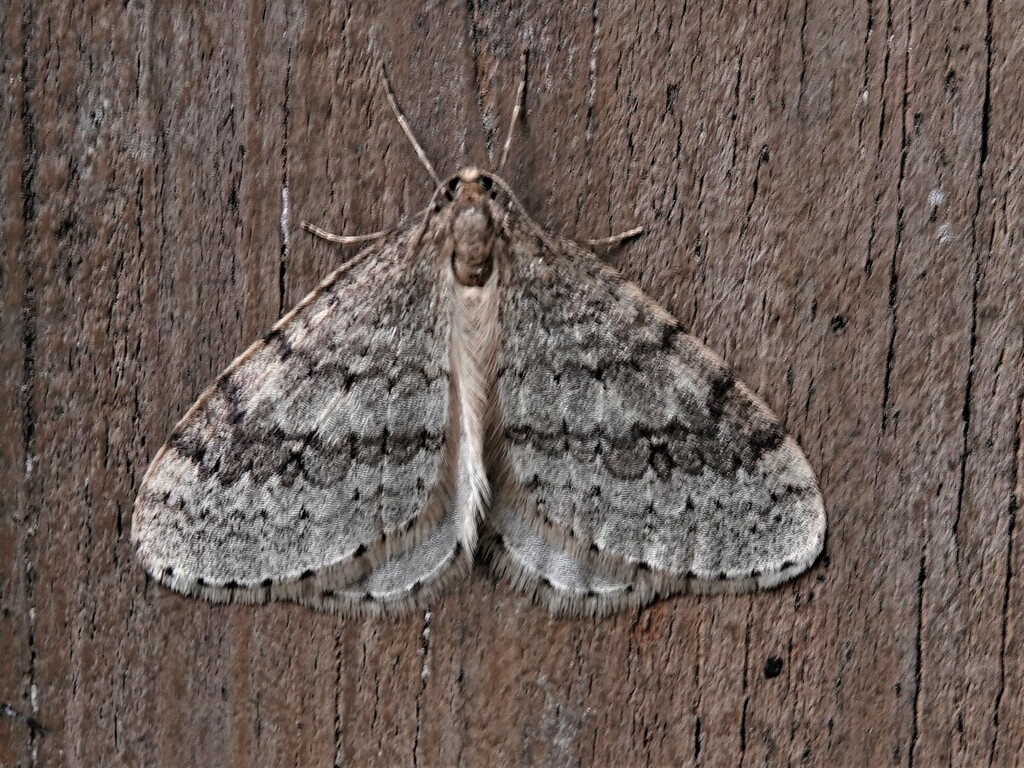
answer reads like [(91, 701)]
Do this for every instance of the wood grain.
[(832, 195)]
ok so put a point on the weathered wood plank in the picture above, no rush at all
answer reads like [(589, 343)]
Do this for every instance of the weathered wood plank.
[(19, 733), (832, 198)]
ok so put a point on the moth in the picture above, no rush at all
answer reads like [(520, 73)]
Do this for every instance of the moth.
[(472, 385)]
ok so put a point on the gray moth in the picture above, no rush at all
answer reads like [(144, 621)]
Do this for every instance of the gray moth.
[(471, 386)]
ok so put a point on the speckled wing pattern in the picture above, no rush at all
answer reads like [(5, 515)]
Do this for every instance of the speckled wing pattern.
[(321, 453), (471, 384), (634, 464)]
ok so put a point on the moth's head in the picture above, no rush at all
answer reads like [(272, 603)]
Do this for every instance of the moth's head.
[(471, 184), (469, 225)]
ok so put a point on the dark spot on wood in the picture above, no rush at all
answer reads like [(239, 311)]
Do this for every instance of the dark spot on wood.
[(306, 574), (951, 82), (360, 551), (671, 94), (772, 667)]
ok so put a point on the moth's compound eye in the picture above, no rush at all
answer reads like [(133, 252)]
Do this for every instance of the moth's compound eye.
[(450, 187), (447, 191), (488, 185)]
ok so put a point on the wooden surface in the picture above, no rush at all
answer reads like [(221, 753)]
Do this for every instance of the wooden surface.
[(832, 194)]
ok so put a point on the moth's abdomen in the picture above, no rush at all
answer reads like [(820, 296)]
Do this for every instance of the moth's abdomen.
[(474, 346)]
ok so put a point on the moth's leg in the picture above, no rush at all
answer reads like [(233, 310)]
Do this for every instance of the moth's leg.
[(516, 111), (330, 237), (353, 239), (615, 239)]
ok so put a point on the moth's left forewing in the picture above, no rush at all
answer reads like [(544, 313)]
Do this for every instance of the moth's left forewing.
[(632, 463), (322, 452)]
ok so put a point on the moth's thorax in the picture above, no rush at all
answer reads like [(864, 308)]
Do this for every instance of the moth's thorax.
[(469, 230)]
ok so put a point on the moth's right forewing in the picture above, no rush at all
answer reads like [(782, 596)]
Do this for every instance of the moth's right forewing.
[(636, 462), (322, 450)]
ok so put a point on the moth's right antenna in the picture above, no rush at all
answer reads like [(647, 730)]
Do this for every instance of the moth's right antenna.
[(405, 127), (515, 113)]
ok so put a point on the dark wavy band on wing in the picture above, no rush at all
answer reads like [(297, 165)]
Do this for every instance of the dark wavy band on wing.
[(631, 441), (320, 448)]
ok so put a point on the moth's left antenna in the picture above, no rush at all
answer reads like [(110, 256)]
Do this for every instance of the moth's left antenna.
[(405, 127)]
